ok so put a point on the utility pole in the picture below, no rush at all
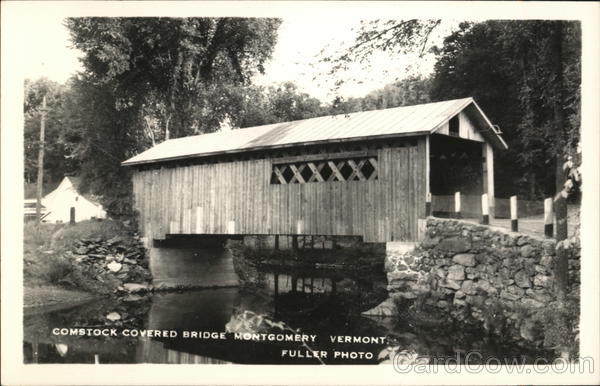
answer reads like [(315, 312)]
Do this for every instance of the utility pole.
[(40, 171)]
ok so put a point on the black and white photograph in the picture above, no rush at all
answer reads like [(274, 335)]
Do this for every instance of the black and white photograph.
[(400, 193)]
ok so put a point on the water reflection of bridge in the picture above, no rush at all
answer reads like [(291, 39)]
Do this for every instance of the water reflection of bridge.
[(152, 351), (148, 351), (201, 310), (279, 283)]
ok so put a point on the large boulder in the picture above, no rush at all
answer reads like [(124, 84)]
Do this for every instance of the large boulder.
[(509, 296), (113, 316), (454, 244), (430, 242), (114, 266), (136, 287), (389, 264), (451, 284), (487, 287), (402, 275), (540, 295), (466, 259), (518, 291), (456, 272), (542, 281), (527, 250), (385, 308), (531, 303), (522, 279), (546, 261), (468, 287)]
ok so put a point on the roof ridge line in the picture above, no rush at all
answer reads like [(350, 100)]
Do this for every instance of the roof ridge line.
[(416, 119), (321, 116)]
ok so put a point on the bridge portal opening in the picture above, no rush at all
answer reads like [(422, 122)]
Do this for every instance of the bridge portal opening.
[(456, 165)]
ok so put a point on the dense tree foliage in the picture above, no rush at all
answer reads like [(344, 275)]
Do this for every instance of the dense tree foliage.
[(54, 164), (143, 80), (524, 74), (280, 103), (284, 102), (177, 71), (84, 136), (509, 68), (411, 91), (97, 137)]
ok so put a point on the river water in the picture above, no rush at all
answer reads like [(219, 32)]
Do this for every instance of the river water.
[(297, 316)]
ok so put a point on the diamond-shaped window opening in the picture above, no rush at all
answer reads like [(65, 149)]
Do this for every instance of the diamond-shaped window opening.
[(306, 172), (325, 170), (367, 170), (287, 173), (346, 170)]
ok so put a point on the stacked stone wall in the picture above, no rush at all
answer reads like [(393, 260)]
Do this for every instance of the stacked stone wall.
[(472, 271)]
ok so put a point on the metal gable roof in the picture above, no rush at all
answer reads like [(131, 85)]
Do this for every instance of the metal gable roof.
[(398, 121)]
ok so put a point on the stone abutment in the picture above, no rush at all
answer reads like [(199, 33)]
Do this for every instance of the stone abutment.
[(476, 273)]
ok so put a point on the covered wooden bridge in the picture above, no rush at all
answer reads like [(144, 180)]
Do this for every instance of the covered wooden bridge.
[(364, 174)]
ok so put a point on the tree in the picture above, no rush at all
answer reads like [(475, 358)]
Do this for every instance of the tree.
[(395, 36), (526, 75), (410, 91), (175, 70), (506, 66), (473, 62), (288, 104), (149, 79), (510, 67), (97, 137), (284, 102), (280, 103), (55, 164)]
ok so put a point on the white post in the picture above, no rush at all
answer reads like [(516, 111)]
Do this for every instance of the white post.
[(485, 209), (548, 218), (514, 213), (300, 227), (457, 205), (428, 204), (489, 162)]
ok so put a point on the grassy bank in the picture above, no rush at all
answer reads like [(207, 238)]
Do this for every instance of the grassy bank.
[(51, 274), (50, 296)]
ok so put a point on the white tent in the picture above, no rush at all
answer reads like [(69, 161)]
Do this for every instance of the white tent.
[(59, 202)]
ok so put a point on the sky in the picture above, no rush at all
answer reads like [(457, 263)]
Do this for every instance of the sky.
[(49, 54), (295, 57)]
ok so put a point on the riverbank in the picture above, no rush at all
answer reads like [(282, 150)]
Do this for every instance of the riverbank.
[(49, 296), (71, 264)]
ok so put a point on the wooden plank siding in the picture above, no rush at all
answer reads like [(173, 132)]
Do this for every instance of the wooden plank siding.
[(466, 128), (205, 198)]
